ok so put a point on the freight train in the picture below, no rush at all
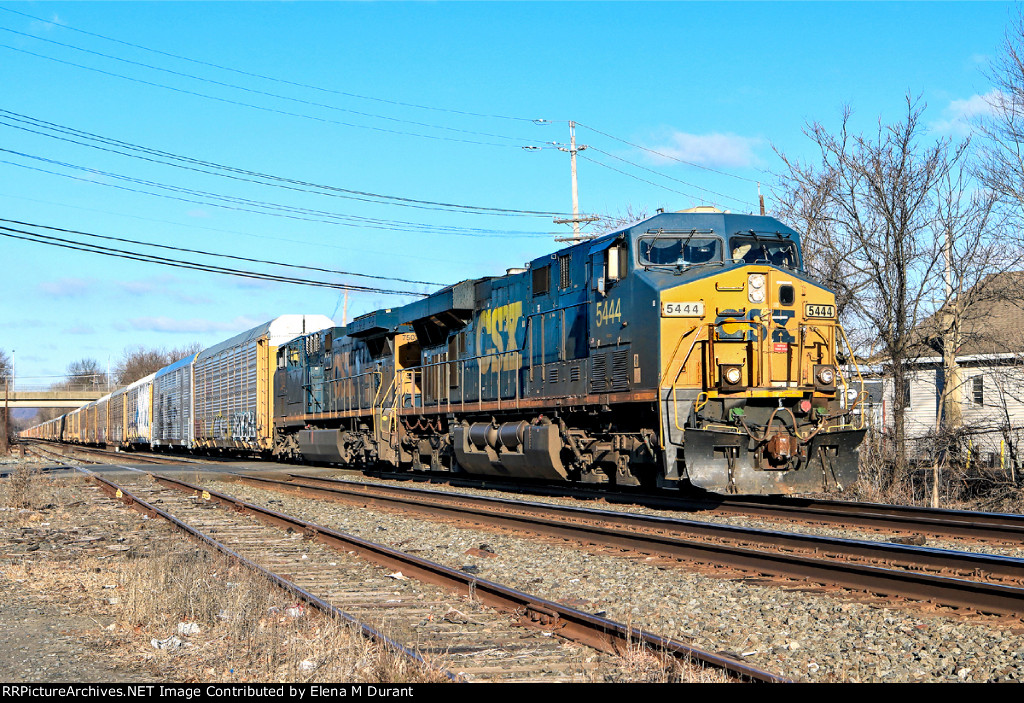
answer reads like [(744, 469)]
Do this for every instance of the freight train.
[(687, 349)]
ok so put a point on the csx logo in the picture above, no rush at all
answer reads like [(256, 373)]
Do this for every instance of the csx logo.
[(496, 333)]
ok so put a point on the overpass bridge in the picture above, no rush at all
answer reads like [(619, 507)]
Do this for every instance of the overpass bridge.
[(45, 398)]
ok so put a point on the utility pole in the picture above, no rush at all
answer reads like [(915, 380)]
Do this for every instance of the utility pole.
[(576, 219), (950, 410), (7, 413)]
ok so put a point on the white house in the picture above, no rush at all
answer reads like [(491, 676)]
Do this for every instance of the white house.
[(990, 362)]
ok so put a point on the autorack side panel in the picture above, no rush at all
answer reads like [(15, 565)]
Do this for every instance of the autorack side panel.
[(233, 384), (116, 431), (138, 407), (102, 419), (73, 426), (172, 404)]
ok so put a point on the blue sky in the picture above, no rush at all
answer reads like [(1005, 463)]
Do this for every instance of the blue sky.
[(423, 101)]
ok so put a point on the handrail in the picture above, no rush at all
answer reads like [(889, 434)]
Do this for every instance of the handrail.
[(759, 325), (856, 368)]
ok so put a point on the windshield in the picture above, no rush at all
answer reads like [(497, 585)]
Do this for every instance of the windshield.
[(777, 252), (679, 251)]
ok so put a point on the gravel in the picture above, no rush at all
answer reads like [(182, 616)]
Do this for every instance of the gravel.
[(807, 636)]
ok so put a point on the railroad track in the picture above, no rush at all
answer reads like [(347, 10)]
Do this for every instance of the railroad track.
[(980, 582), (414, 602), (994, 528), (133, 457)]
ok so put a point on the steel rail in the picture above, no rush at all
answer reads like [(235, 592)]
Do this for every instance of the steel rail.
[(935, 521), (142, 455), (1000, 527), (597, 632), (748, 549), (119, 493), (1005, 528)]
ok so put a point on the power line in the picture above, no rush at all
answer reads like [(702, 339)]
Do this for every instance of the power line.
[(224, 256), (259, 207), (667, 156), (303, 242), (264, 93), (279, 80), (650, 170), (258, 107), (278, 181), (36, 238), (642, 180)]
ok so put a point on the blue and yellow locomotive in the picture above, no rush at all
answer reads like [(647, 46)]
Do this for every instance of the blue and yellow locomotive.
[(688, 348)]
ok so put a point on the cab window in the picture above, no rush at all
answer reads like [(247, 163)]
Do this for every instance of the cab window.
[(679, 251), (758, 250)]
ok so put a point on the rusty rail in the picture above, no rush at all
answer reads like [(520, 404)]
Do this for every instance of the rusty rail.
[(597, 632), (119, 493), (748, 549)]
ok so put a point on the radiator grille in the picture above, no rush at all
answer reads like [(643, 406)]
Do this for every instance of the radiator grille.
[(599, 373), (620, 370)]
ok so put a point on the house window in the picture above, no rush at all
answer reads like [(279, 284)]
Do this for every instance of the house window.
[(906, 395), (978, 390)]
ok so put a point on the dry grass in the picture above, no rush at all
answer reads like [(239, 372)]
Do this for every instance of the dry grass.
[(27, 490), (248, 630), (142, 580), (138, 580), (643, 665), (23, 488)]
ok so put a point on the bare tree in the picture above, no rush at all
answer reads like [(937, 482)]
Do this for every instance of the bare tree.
[(611, 222), (139, 362), (1000, 162), (870, 206), (85, 373), (179, 353)]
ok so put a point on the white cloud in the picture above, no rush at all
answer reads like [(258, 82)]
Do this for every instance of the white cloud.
[(43, 26), (194, 325), (165, 287), (724, 150), (66, 287), (957, 116)]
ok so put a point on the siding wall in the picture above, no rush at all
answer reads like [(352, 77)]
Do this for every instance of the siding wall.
[(1002, 403)]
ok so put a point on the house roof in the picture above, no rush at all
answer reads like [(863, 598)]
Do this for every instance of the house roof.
[(993, 321)]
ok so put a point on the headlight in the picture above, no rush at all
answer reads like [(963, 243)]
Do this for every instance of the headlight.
[(826, 376), (730, 377), (755, 287)]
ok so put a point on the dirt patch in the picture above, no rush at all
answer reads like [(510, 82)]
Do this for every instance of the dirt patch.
[(94, 592)]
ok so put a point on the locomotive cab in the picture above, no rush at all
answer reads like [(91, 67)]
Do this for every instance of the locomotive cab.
[(752, 398)]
